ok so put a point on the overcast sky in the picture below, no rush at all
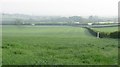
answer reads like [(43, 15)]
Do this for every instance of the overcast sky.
[(61, 7)]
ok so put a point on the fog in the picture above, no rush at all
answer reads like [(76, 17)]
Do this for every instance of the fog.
[(61, 7)]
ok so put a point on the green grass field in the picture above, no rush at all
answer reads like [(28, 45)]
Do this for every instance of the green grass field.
[(0, 45), (52, 45), (108, 29)]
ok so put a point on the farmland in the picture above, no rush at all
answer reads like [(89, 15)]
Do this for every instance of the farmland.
[(46, 45), (0, 45)]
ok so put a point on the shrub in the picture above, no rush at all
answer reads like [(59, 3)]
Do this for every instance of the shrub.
[(115, 34)]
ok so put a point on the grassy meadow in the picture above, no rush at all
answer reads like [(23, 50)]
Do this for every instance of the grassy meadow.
[(52, 45), (0, 45)]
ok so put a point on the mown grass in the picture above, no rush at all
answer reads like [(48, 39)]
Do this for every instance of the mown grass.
[(46, 45)]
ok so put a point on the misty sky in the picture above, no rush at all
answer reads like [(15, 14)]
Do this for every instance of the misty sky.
[(61, 7)]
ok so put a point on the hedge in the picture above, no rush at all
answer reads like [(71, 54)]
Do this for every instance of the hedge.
[(115, 34), (91, 31)]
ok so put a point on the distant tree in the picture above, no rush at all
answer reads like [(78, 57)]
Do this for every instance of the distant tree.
[(91, 18), (76, 19), (18, 22)]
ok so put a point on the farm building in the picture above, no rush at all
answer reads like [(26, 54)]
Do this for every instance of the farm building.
[(32, 24), (76, 22), (90, 23), (105, 22)]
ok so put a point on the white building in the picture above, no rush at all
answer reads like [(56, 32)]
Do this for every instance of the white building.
[(32, 24), (90, 23), (76, 22), (105, 22)]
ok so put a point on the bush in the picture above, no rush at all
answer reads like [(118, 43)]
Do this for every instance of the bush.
[(103, 34), (115, 34)]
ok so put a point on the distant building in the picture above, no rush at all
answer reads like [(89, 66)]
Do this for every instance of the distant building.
[(77, 22), (23, 23), (32, 24), (90, 23), (105, 22)]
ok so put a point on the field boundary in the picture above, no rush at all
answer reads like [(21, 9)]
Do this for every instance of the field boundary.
[(115, 34)]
